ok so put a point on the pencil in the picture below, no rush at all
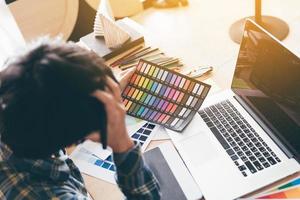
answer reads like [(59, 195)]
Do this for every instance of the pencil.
[(138, 56), (145, 57), (129, 56), (160, 61), (172, 61), (125, 56), (134, 54)]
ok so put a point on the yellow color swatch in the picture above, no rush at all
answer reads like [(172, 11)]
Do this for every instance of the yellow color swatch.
[(145, 83), (151, 70), (139, 95), (141, 81), (155, 72), (135, 93), (128, 105)]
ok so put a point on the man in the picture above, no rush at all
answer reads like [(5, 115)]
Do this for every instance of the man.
[(53, 96)]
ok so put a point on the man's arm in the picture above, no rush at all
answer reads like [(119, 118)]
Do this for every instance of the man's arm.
[(133, 177)]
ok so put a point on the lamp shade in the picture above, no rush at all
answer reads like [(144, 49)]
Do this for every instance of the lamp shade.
[(121, 8)]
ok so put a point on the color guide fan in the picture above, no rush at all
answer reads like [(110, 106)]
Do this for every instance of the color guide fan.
[(163, 96)]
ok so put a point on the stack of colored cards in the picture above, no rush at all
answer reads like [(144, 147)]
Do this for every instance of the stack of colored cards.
[(154, 55), (288, 190), (163, 96)]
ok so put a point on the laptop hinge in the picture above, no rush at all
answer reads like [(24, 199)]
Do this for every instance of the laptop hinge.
[(274, 135)]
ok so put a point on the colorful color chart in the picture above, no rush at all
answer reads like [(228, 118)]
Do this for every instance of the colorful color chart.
[(163, 96), (104, 169), (293, 193), (105, 164), (140, 137), (292, 183)]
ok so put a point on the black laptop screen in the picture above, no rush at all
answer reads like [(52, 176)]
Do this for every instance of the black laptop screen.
[(267, 78)]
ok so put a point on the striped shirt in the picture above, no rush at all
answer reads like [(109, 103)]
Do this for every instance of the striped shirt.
[(59, 178)]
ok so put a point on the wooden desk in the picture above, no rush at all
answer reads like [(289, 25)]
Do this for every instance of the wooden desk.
[(198, 34)]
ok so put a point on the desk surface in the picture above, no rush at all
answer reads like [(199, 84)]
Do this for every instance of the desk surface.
[(198, 34)]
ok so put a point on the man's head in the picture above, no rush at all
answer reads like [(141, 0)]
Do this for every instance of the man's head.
[(45, 98)]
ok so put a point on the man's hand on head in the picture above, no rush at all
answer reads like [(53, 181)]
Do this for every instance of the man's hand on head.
[(118, 138)]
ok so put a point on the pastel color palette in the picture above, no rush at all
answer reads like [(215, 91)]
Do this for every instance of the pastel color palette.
[(163, 96)]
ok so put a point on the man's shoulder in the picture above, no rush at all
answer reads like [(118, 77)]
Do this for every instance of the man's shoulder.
[(9, 174), (14, 185), (24, 185)]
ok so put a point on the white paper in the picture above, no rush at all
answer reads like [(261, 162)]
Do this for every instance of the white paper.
[(11, 38), (85, 161), (96, 149), (161, 134), (133, 124)]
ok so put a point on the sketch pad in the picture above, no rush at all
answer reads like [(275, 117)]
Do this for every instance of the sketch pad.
[(176, 183)]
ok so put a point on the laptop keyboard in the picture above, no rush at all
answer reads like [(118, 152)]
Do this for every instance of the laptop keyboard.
[(244, 146)]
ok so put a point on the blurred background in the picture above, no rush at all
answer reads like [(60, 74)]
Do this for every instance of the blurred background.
[(201, 28)]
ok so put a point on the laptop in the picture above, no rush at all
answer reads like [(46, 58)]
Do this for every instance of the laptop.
[(248, 136)]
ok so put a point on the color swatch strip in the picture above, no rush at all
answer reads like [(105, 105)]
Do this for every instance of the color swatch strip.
[(105, 169), (293, 193), (163, 96)]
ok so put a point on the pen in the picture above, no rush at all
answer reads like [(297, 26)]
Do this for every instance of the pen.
[(200, 71)]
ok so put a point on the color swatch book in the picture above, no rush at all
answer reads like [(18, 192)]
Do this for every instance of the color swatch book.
[(288, 189), (91, 161), (162, 96), (291, 183), (290, 193)]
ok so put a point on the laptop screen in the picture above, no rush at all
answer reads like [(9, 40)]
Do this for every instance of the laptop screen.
[(267, 78)]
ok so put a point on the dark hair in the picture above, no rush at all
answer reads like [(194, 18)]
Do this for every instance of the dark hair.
[(45, 98)]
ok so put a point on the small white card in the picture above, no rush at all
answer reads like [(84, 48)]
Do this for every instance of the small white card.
[(96, 149)]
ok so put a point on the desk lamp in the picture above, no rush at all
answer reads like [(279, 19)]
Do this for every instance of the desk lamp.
[(274, 25)]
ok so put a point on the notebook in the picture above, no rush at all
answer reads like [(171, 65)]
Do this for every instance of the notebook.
[(175, 181)]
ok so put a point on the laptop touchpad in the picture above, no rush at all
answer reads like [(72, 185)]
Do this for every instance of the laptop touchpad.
[(199, 148)]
